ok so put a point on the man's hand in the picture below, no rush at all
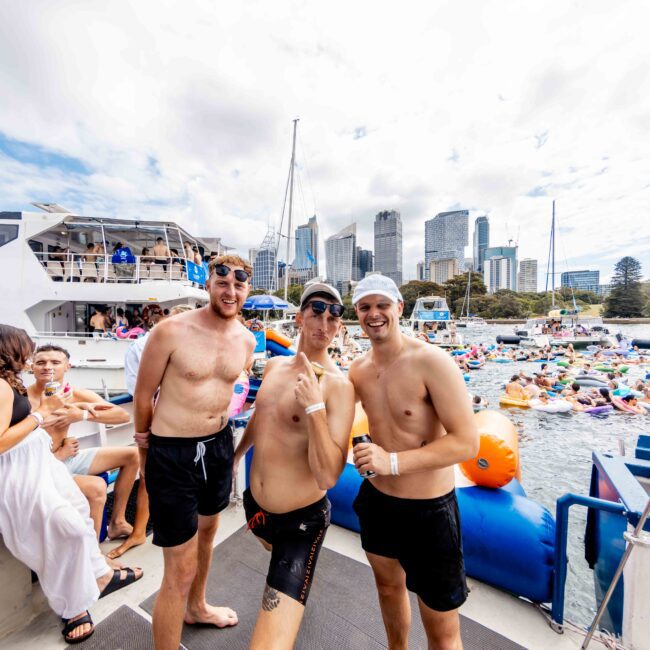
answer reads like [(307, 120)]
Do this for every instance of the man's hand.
[(63, 417), (50, 404), (69, 448), (307, 388), (94, 408), (369, 456)]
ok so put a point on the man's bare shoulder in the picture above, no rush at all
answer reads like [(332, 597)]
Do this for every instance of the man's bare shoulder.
[(358, 365), (84, 395)]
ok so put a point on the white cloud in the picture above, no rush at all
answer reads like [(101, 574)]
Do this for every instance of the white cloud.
[(184, 111)]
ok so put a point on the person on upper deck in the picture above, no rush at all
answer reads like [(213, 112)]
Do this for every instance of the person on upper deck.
[(421, 425), (300, 429), (161, 253)]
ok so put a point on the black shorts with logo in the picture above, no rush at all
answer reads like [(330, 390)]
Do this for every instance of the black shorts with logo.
[(187, 477), (423, 535), (296, 538)]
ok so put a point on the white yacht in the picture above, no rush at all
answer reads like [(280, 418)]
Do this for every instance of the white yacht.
[(431, 318), (54, 281)]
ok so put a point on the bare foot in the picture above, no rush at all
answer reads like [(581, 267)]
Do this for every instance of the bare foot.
[(118, 530), (81, 631), (211, 615), (130, 542), (114, 564)]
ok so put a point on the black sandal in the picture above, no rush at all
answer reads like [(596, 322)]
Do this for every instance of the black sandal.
[(117, 583), (70, 625)]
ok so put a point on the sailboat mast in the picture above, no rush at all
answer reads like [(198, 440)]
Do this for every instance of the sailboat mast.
[(293, 162), (553, 259)]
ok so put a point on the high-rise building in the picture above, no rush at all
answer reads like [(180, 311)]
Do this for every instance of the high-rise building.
[(500, 268), (445, 236), (388, 245), (419, 272), (305, 263), (583, 280), (265, 273), (481, 241), (442, 270), (365, 262), (527, 280), (252, 254), (340, 256)]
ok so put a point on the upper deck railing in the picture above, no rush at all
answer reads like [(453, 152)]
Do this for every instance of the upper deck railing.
[(89, 267)]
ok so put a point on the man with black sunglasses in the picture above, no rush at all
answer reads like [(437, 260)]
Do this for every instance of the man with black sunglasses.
[(195, 358), (300, 429), (421, 424)]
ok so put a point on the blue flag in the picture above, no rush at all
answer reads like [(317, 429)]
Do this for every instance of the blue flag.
[(195, 273), (310, 257)]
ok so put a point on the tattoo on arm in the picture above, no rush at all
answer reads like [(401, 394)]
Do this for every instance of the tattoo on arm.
[(270, 599)]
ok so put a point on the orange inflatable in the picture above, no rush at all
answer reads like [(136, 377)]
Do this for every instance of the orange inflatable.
[(497, 462), (284, 341)]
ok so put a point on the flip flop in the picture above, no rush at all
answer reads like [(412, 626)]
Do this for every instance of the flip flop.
[(117, 583), (70, 625)]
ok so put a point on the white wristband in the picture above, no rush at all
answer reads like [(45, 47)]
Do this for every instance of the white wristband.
[(394, 469), (85, 415), (312, 408), (38, 417)]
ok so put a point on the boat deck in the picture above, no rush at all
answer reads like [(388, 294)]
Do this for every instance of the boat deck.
[(514, 618)]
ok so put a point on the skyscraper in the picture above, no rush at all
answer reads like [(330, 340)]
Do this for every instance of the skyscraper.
[(500, 268), (264, 267), (340, 256), (364, 262), (584, 280), (444, 269), (305, 263), (445, 236), (252, 254), (419, 271), (481, 241), (527, 281), (388, 245)]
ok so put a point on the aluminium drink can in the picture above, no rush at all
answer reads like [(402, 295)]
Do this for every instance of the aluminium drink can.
[(358, 440), (52, 388)]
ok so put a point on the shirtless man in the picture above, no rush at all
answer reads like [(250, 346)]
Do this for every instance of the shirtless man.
[(515, 390), (161, 253), (421, 425), (300, 429), (51, 362), (195, 358)]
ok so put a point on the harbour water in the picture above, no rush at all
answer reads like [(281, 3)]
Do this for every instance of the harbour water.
[(555, 452)]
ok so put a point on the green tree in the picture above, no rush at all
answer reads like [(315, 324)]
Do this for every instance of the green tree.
[(626, 298), (456, 287), (294, 292), (417, 289)]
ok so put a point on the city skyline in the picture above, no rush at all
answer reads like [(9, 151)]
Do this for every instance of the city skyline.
[(124, 132)]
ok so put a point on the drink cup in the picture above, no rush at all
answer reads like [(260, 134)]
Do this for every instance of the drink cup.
[(52, 388), (358, 440)]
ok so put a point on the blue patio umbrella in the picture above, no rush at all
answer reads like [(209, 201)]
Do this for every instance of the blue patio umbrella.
[(265, 302)]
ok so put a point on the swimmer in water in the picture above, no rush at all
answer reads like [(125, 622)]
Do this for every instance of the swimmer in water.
[(300, 428)]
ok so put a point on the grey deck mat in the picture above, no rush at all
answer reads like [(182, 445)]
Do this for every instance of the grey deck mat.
[(124, 629), (342, 611)]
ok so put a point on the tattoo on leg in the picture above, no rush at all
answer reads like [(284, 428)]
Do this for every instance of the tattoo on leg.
[(270, 599)]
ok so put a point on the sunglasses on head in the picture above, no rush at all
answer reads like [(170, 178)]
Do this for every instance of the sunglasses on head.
[(222, 271), (319, 307)]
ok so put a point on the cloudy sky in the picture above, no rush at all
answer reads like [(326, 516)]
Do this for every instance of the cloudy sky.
[(183, 111)]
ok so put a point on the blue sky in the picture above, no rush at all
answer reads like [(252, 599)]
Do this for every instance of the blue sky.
[(184, 112)]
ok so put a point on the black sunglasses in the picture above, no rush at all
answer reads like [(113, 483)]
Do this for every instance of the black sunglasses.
[(319, 307), (222, 271)]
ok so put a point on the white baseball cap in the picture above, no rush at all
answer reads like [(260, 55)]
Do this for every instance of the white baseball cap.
[(320, 287), (377, 284)]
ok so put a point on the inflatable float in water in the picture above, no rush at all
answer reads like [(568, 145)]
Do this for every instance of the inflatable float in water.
[(506, 400), (552, 406)]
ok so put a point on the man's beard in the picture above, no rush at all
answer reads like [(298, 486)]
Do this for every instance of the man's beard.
[(216, 308)]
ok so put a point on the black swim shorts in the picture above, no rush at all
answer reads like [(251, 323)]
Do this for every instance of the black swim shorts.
[(187, 477), (296, 538), (424, 535)]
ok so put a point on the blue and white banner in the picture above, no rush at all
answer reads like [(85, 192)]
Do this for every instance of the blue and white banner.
[(196, 273)]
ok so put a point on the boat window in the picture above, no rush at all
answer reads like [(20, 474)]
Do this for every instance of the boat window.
[(36, 246), (8, 233)]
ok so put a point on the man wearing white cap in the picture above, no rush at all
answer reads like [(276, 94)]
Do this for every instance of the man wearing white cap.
[(421, 424), (300, 429)]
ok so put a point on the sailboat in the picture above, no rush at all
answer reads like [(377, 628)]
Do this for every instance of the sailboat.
[(562, 326), (467, 320)]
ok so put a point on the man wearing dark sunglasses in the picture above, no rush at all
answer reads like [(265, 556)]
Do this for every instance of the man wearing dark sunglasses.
[(421, 424), (195, 358), (300, 429)]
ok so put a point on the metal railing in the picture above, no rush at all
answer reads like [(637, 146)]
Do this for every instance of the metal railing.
[(89, 267)]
